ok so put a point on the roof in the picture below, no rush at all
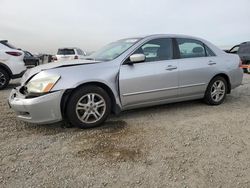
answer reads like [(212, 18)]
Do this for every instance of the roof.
[(68, 48), (167, 35), (247, 42)]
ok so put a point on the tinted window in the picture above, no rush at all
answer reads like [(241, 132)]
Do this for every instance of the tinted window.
[(157, 50), (234, 50), (27, 54), (66, 52), (190, 48)]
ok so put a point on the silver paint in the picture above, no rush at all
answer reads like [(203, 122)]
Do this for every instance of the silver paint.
[(139, 84)]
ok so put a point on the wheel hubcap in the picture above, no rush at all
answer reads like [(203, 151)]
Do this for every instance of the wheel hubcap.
[(90, 108), (218, 91), (2, 79)]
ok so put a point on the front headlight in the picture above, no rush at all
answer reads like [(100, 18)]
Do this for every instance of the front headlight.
[(41, 83)]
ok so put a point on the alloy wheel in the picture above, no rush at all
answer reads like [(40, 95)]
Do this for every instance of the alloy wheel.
[(90, 108), (218, 90), (2, 79)]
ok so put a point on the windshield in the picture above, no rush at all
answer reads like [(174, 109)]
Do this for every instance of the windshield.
[(113, 50)]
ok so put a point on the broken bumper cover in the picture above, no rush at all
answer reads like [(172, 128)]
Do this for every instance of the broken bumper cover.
[(44, 109)]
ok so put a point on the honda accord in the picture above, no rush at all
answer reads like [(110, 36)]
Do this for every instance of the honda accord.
[(127, 74)]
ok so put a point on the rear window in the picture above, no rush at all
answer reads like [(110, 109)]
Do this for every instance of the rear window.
[(244, 49), (6, 43), (66, 52)]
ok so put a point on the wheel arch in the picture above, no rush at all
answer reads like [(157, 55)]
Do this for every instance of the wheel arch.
[(6, 68), (115, 107)]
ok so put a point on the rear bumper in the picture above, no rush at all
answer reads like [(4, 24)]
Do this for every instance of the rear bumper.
[(40, 110), (237, 77)]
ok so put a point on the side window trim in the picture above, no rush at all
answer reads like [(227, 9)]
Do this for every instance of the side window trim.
[(206, 49), (176, 50)]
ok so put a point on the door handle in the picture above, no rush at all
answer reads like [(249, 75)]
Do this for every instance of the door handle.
[(171, 67), (211, 62)]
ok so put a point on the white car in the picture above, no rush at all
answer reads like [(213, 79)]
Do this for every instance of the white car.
[(64, 54), (11, 63)]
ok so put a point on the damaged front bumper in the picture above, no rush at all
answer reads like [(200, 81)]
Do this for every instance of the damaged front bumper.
[(43, 109)]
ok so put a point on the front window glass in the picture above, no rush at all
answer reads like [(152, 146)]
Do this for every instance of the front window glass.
[(190, 48), (234, 50), (113, 50), (157, 50), (27, 54)]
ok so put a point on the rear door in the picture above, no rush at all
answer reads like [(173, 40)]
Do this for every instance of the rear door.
[(155, 79), (197, 65)]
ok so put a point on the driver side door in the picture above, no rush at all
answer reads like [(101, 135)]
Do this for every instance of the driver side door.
[(152, 81)]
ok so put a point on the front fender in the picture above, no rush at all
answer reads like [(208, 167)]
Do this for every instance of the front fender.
[(73, 77)]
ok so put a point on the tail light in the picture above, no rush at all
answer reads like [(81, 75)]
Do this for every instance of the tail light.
[(14, 53), (76, 57), (54, 58)]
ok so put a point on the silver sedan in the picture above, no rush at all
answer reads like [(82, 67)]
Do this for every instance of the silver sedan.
[(127, 74)]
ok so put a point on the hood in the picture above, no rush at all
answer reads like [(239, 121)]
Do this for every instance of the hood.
[(53, 65)]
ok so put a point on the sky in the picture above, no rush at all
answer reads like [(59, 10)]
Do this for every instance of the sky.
[(43, 26)]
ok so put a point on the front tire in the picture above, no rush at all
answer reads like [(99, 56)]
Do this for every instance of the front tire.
[(4, 79), (216, 91), (88, 107)]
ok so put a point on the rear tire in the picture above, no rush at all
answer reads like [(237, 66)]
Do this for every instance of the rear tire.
[(216, 91), (88, 107), (4, 79)]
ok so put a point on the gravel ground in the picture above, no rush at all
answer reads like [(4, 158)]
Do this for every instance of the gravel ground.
[(186, 144)]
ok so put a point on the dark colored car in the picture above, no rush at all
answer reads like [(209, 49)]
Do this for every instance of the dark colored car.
[(30, 60), (243, 50)]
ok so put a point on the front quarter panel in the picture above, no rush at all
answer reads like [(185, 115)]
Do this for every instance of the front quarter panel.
[(72, 77)]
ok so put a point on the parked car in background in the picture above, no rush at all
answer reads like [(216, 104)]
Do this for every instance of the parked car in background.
[(64, 54), (124, 76), (30, 60), (11, 63), (233, 50), (243, 50)]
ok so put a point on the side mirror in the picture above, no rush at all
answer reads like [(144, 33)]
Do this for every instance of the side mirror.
[(136, 58)]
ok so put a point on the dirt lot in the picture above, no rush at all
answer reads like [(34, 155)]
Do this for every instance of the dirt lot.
[(187, 144)]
